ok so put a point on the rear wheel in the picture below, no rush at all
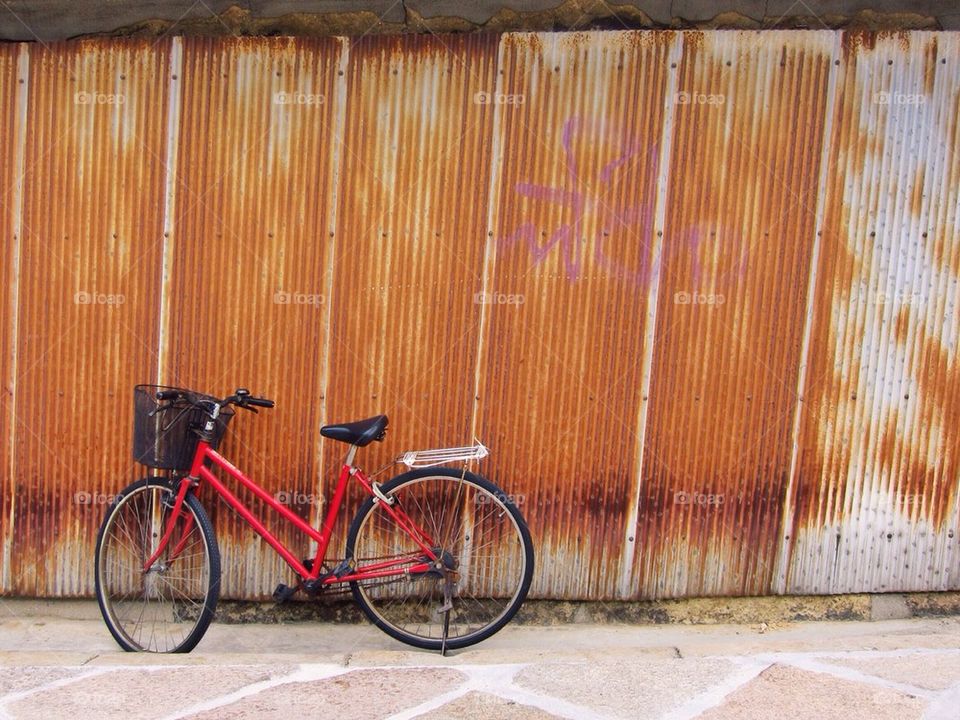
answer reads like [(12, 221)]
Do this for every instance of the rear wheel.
[(485, 559), (169, 607)]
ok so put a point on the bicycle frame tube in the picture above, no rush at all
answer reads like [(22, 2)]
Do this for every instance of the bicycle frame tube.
[(200, 472)]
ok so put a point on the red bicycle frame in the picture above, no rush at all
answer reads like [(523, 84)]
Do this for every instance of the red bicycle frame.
[(412, 563)]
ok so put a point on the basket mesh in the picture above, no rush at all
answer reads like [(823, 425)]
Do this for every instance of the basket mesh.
[(167, 439)]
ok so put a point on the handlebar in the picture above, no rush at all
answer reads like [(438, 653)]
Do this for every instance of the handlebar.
[(260, 402), (241, 398)]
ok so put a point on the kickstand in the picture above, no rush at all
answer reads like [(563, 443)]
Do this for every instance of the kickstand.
[(445, 609)]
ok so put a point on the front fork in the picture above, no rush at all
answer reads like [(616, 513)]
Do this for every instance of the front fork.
[(185, 484)]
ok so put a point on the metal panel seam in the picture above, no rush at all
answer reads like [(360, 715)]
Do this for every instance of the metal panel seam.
[(786, 537), (20, 145), (489, 253), (170, 196), (339, 131), (653, 292)]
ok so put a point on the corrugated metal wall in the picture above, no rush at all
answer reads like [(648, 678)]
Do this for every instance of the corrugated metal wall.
[(697, 290)]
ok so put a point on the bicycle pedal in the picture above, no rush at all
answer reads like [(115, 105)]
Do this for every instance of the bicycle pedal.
[(344, 568), (284, 593), (312, 587)]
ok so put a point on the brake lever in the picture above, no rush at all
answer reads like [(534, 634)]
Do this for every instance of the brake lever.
[(157, 409), (251, 409)]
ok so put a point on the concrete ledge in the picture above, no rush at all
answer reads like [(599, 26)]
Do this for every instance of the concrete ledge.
[(688, 611)]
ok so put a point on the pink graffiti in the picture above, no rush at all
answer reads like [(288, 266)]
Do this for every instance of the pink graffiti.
[(579, 197), (615, 216)]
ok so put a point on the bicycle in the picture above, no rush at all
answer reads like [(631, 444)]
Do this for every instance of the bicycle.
[(437, 557)]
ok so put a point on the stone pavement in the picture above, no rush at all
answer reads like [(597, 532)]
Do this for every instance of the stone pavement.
[(56, 667)]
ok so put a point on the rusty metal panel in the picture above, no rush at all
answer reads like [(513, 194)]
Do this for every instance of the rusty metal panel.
[(748, 118), (411, 229), (875, 501), (578, 132), (11, 149), (698, 291), (88, 295), (250, 262)]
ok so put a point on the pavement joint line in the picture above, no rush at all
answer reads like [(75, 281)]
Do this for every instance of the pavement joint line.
[(838, 671), (474, 681), (305, 672), (498, 680), (944, 706), (547, 703), (716, 695), (858, 654), (13, 697)]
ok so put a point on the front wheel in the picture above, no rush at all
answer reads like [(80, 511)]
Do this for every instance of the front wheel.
[(483, 566), (168, 607)]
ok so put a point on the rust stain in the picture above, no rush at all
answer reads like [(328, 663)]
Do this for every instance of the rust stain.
[(515, 42), (89, 289), (931, 57), (725, 371), (878, 439), (854, 42), (9, 89), (252, 237), (916, 197), (410, 240), (490, 217), (573, 223), (902, 326)]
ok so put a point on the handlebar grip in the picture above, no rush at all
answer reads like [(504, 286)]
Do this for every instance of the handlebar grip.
[(259, 402), (168, 394)]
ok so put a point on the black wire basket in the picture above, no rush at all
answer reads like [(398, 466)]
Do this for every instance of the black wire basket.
[(164, 431)]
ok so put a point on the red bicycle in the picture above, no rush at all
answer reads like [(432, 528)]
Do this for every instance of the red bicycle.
[(437, 557)]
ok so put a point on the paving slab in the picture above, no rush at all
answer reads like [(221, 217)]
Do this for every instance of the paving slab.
[(636, 689), (142, 693), (359, 694), (928, 670), (20, 679), (476, 704), (788, 692)]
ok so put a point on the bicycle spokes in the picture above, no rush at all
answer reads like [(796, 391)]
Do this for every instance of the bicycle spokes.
[(159, 608), (474, 578)]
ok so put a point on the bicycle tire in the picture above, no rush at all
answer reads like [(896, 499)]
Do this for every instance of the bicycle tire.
[(407, 609), (177, 619)]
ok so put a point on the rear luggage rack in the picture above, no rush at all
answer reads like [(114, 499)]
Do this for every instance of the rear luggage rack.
[(442, 456)]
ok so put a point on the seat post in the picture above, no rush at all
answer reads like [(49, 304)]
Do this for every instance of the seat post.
[(351, 453)]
